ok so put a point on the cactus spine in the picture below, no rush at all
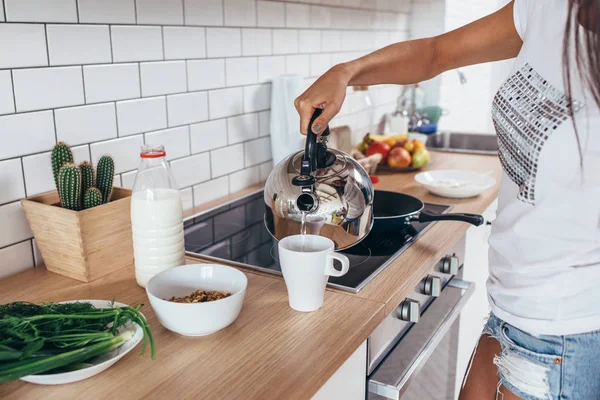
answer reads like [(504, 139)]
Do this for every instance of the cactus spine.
[(69, 186), (87, 177), (61, 154), (105, 173), (92, 198)]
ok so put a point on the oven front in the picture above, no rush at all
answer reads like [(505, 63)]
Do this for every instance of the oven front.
[(412, 355)]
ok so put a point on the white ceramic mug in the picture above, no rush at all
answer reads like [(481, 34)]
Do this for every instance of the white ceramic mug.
[(307, 263)]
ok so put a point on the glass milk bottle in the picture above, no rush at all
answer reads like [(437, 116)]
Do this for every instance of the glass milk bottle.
[(156, 216)]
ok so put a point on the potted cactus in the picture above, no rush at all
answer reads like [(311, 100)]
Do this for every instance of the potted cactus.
[(83, 228)]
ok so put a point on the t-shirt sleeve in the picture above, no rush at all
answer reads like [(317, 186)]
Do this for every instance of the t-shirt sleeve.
[(521, 12)]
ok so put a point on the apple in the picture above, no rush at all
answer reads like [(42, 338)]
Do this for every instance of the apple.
[(399, 157), (379, 148), (421, 157)]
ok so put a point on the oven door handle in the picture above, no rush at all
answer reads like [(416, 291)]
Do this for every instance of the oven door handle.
[(394, 375)]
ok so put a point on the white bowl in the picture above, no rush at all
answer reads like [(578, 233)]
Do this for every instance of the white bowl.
[(99, 363), (455, 183), (197, 319)]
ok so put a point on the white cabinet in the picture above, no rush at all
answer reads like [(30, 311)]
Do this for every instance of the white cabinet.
[(349, 381), (475, 270)]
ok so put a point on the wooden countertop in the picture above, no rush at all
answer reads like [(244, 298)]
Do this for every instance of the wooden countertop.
[(270, 351)]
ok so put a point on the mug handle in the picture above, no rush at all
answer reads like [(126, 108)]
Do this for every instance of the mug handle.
[(329, 270)]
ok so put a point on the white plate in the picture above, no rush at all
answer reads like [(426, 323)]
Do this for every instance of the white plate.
[(455, 183), (101, 362)]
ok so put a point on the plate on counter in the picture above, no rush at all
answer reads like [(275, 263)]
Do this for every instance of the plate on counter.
[(97, 364), (457, 184)]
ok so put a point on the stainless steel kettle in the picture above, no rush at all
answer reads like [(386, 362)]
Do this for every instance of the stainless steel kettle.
[(327, 188)]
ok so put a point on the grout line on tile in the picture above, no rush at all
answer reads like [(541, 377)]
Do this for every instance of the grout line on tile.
[(47, 44), (135, 11), (15, 243), (14, 97), (77, 10), (162, 38), (23, 173), (183, 10), (83, 86), (54, 123)]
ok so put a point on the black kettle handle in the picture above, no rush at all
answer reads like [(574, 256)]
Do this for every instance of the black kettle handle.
[(309, 159), (429, 216)]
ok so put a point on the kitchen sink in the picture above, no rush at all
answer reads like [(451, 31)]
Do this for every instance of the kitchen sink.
[(459, 142)]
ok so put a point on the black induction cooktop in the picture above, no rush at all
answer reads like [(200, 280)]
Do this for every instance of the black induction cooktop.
[(235, 232)]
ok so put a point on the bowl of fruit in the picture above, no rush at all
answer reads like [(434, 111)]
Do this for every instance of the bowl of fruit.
[(398, 152)]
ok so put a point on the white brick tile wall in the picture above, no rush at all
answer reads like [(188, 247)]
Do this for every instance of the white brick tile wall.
[(128, 178), (223, 42), (15, 259), (241, 71), (11, 180), (208, 135), (227, 160), (136, 43), (270, 67), (256, 42), (124, 151), (160, 12), (175, 140), (163, 77), (331, 41), (22, 45), (265, 169), (191, 170), (26, 133), (184, 42), (7, 104), (257, 97), (257, 151), (320, 17), (285, 41), (264, 123), (41, 10), (187, 108), (78, 125), (298, 65), (143, 115), (107, 11), (271, 14), (203, 12), (206, 74), (242, 179), (37, 88), (297, 15), (240, 12), (319, 63), (242, 128), (37, 170), (225, 102), (211, 190), (78, 44), (187, 198), (309, 41), (111, 82), (14, 227), (194, 75)]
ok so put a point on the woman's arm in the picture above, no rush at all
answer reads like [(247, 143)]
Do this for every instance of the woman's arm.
[(491, 38)]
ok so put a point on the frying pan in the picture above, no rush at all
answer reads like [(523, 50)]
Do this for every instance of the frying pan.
[(394, 212)]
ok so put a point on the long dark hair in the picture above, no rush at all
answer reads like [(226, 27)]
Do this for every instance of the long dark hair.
[(586, 51)]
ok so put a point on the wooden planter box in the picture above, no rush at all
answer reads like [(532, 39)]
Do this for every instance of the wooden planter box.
[(83, 245)]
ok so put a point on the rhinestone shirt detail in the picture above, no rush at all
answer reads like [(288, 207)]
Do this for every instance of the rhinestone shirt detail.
[(526, 111)]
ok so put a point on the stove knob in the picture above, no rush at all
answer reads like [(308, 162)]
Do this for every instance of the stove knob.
[(450, 265), (409, 311), (433, 286)]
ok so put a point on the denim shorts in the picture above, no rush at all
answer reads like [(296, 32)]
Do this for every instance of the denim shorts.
[(544, 367)]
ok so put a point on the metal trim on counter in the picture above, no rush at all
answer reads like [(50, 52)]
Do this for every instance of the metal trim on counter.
[(387, 380)]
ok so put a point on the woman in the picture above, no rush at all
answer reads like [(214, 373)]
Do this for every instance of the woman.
[(542, 340)]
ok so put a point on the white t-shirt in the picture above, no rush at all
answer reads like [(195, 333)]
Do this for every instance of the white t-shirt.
[(545, 242)]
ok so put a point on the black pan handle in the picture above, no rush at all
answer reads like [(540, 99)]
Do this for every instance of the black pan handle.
[(429, 216)]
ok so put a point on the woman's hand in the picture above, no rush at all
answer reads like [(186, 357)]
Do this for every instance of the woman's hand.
[(328, 93)]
